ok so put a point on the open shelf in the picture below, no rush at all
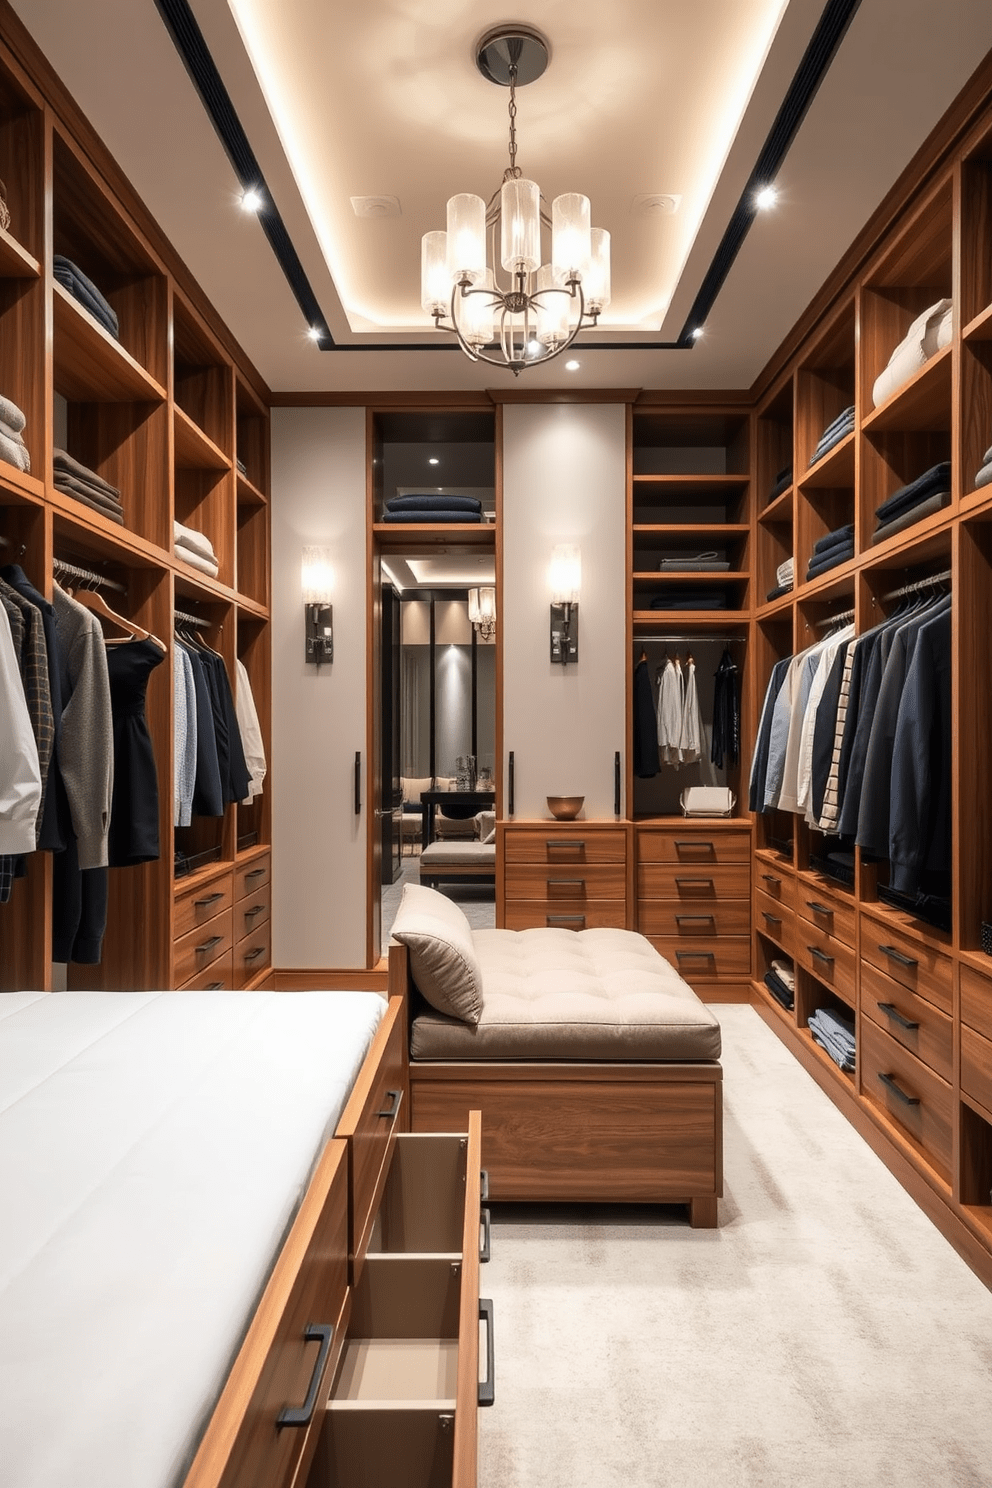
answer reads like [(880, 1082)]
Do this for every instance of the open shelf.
[(194, 450), (90, 366)]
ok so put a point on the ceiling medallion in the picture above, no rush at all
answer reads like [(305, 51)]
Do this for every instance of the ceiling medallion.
[(539, 309)]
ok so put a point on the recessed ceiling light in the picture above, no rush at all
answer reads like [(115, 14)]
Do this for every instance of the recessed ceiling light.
[(765, 198), (376, 206), (314, 333), (655, 204), (697, 333), (572, 366), (433, 460), (251, 200)]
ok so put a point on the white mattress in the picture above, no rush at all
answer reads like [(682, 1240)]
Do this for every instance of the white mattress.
[(154, 1148)]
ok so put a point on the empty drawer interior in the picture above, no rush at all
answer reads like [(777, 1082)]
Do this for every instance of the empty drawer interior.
[(402, 1340), (409, 1446), (423, 1207)]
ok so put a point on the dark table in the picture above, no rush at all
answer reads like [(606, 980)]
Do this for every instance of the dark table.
[(466, 802)]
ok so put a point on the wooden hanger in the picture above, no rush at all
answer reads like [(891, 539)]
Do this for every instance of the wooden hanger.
[(92, 599)]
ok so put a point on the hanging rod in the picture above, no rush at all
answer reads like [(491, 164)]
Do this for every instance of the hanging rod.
[(840, 618), (918, 584), (181, 618), (87, 575), (693, 640)]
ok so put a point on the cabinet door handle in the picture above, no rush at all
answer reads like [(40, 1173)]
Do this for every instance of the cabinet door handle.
[(707, 881), (706, 919), (390, 1111), (487, 1387), (891, 1011), (552, 920), (213, 987), (303, 1416), (483, 1184), (616, 783), (256, 909), (254, 955), (208, 945), (897, 1090), (486, 1243), (255, 873), (823, 909), (566, 883), (895, 955), (210, 899), (572, 844), (358, 782), (820, 955), (695, 844), (770, 878), (695, 956), (510, 771)]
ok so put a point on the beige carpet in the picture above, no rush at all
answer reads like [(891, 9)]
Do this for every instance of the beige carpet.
[(825, 1335)]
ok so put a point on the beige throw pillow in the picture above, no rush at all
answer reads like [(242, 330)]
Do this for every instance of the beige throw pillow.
[(442, 953)]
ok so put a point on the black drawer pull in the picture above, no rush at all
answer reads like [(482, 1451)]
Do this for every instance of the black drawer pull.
[(891, 1011), (254, 955), (770, 878), (819, 908), (552, 920), (256, 909), (820, 955), (210, 899), (897, 1091), (772, 919), (303, 1416), (214, 987), (208, 945), (708, 846), (487, 1387), (573, 844), (395, 1098), (707, 881), (705, 919), (695, 955), (895, 955), (486, 1243), (483, 1185), (566, 883), (255, 873)]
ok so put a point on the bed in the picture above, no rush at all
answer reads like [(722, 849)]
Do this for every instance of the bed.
[(595, 1066), (159, 1152)]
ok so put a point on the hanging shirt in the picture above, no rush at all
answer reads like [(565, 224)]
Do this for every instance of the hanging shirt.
[(669, 714), (20, 773), (251, 732), (691, 730)]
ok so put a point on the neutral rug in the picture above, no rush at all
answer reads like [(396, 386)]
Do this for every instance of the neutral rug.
[(825, 1334)]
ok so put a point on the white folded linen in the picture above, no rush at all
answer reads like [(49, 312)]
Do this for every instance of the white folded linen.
[(930, 332), (196, 560), (198, 542)]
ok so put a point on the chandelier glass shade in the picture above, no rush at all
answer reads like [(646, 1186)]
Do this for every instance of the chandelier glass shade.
[(482, 611), (486, 278)]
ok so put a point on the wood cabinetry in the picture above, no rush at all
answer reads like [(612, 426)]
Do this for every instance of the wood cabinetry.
[(567, 875), (164, 411)]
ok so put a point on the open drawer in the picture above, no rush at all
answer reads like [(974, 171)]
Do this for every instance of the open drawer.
[(403, 1402)]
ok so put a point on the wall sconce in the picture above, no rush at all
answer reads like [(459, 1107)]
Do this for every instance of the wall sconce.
[(482, 611), (317, 578), (565, 580)]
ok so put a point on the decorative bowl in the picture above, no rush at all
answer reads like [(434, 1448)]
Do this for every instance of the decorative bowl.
[(565, 808)]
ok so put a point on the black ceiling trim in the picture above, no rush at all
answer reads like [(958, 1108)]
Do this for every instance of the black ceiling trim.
[(192, 48)]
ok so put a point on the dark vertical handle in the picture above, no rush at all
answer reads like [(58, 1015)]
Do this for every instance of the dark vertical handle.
[(509, 772), (312, 1333), (358, 782), (616, 783), (487, 1387), (486, 1229)]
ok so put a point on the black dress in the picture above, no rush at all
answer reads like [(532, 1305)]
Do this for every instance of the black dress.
[(134, 806)]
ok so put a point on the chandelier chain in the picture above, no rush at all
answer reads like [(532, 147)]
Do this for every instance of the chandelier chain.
[(513, 119)]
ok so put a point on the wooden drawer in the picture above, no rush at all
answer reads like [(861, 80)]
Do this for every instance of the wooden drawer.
[(830, 961), (560, 846), (780, 886), (912, 1095), (706, 961), (251, 876), (218, 976), (279, 1362), (669, 917), (665, 881), (908, 961), (893, 1007), (252, 953), (773, 919), (377, 1109), (202, 904), (539, 881), (827, 912), (976, 1067), (688, 847), (252, 911), (976, 1001), (200, 948), (559, 914)]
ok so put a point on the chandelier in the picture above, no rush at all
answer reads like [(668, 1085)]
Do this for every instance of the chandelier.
[(535, 310), (482, 611)]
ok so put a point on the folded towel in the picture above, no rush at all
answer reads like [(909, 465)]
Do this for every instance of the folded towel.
[(82, 491), (934, 503), (72, 278), (423, 514), (833, 539), (196, 560), (937, 478), (196, 542), (11, 415), (786, 571), (929, 333), (11, 432), (430, 501), (15, 452), (61, 460)]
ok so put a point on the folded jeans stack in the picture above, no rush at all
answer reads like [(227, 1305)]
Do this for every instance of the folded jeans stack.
[(74, 479), (927, 494), (433, 508), (836, 1035), (830, 550), (195, 549), (842, 425), (711, 562), (785, 578), (984, 475), (85, 293), (12, 446), (930, 332)]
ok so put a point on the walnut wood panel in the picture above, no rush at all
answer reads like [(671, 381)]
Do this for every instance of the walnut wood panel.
[(217, 977), (466, 1450), (195, 450), (670, 917), (829, 960), (199, 948), (202, 903), (244, 1447), (127, 444), (892, 1007), (976, 1067), (252, 875), (252, 543), (253, 953), (585, 881), (564, 843), (90, 366), (702, 960), (976, 1001), (562, 914), (911, 962), (203, 501), (690, 848), (724, 881), (921, 1102), (774, 920), (827, 911)]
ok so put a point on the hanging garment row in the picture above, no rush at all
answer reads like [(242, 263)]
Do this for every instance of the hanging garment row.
[(855, 736), (668, 728), (219, 757)]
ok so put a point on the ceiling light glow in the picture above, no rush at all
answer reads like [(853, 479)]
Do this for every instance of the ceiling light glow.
[(765, 198), (251, 200), (433, 460), (697, 333), (572, 366), (314, 333)]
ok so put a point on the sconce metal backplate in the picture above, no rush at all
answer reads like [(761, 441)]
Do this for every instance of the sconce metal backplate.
[(564, 633), (319, 633)]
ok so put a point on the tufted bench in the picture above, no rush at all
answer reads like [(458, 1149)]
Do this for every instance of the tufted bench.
[(456, 862)]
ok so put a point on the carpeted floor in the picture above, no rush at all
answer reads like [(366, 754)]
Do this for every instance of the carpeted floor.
[(825, 1336)]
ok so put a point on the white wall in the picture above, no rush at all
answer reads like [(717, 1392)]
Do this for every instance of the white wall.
[(318, 717), (564, 478)]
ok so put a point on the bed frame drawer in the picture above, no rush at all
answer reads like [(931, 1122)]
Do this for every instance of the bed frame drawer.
[(200, 948)]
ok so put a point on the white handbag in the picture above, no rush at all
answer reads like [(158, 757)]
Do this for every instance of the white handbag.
[(707, 800)]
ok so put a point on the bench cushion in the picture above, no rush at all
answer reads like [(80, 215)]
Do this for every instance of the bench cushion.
[(443, 961), (458, 855), (585, 995)]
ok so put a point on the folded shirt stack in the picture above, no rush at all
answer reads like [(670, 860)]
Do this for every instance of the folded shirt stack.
[(930, 332), (781, 983), (75, 479), (785, 576), (984, 476), (836, 1035), (842, 425), (195, 549), (710, 562), (782, 483), (689, 597), (85, 293), (12, 446), (433, 508), (928, 493), (828, 551)]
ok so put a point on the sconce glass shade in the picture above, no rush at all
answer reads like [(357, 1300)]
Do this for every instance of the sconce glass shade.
[(466, 238), (596, 284), (435, 281), (476, 313), (552, 308), (520, 226), (571, 248), (481, 605), (565, 574), (317, 576)]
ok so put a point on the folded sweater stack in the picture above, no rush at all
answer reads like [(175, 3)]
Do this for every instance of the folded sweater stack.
[(74, 479), (710, 562), (85, 293), (12, 446), (195, 549), (781, 983), (830, 550), (842, 425), (433, 508), (984, 476), (930, 332), (785, 578), (927, 494), (836, 1035)]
